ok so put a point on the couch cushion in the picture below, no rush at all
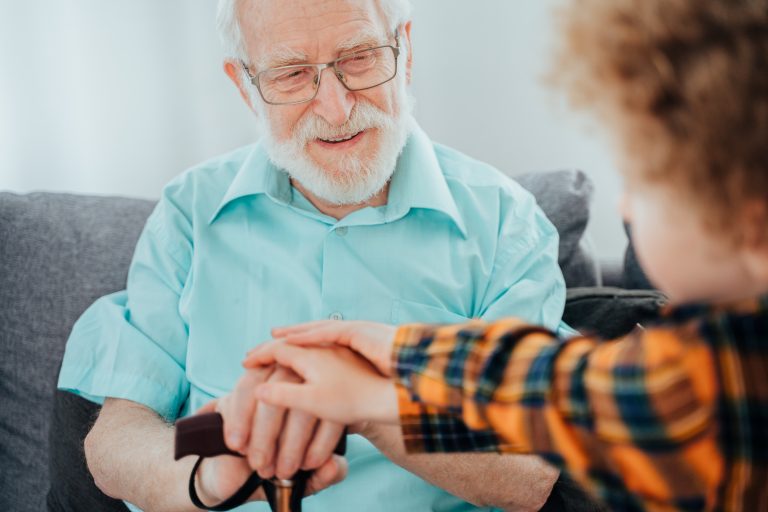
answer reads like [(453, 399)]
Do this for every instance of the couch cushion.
[(565, 198), (58, 253), (633, 274), (72, 488), (610, 312)]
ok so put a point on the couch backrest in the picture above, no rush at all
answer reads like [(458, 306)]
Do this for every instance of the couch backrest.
[(58, 253)]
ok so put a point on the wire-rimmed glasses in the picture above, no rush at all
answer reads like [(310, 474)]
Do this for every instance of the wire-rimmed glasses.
[(299, 83)]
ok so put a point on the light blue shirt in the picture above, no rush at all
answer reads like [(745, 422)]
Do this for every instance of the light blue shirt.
[(232, 250)]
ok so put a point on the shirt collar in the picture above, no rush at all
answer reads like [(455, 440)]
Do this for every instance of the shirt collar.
[(418, 181), (256, 175)]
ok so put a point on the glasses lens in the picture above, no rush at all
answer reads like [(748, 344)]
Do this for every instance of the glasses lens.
[(288, 84), (359, 70), (367, 68)]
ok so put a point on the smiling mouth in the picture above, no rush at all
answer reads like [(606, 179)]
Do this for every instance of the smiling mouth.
[(340, 140)]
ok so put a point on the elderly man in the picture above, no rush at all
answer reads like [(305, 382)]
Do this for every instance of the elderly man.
[(320, 219)]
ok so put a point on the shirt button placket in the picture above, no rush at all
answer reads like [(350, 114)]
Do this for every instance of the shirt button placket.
[(335, 279)]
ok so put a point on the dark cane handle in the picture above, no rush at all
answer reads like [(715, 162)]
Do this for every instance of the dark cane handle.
[(202, 435)]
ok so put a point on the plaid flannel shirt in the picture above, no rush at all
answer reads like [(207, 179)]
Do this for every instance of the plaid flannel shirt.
[(672, 417)]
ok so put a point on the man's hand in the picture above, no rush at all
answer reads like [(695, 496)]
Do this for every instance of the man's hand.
[(129, 452), (338, 385), (219, 478), (371, 340), (276, 442)]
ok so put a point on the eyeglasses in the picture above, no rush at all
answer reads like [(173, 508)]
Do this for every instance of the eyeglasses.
[(357, 71)]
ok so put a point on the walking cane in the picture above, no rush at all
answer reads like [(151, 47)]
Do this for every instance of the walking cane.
[(203, 435)]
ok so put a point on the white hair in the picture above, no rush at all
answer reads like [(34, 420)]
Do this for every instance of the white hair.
[(396, 12)]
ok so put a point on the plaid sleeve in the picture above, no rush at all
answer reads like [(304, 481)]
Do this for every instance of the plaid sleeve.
[(628, 418)]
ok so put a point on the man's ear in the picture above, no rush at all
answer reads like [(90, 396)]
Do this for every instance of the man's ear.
[(409, 52), (234, 72), (754, 224), (754, 240)]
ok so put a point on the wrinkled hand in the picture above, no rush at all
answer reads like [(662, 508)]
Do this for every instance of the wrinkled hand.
[(371, 340), (339, 385), (218, 478), (276, 442)]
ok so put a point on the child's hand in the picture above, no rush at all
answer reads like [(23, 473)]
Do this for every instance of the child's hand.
[(339, 385), (370, 339)]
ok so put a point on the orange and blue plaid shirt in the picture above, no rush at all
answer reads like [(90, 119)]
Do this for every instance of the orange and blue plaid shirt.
[(671, 417)]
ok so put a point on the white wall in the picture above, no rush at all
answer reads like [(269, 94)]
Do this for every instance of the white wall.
[(118, 97)]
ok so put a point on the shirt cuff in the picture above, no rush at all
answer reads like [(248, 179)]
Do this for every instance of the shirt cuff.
[(428, 429), (409, 351)]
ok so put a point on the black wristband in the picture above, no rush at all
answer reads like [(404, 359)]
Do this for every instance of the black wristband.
[(240, 497)]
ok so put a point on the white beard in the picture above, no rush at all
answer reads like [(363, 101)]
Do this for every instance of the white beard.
[(352, 180)]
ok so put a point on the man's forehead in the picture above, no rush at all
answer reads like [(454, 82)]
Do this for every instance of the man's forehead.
[(300, 29)]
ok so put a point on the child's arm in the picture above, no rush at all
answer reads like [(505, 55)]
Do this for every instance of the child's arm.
[(629, 417), (638, 410)]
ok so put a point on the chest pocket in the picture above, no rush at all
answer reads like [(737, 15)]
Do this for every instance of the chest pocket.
[(406, 312)]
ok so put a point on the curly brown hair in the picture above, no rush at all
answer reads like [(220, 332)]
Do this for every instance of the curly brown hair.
[(683, 84)]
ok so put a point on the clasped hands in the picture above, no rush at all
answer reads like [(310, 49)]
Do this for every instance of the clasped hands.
[(298, 393)]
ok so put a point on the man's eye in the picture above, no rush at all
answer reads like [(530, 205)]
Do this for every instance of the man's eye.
[(290, 75), (358, 62)]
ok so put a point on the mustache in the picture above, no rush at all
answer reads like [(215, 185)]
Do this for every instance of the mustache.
[(363, 116)]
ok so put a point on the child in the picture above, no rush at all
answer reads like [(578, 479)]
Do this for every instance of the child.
[(673, 416)]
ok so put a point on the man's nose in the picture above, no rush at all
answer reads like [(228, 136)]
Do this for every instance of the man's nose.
[(333, 101)]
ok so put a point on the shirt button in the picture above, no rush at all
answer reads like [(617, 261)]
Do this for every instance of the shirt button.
[(336, 316), (342, 231)]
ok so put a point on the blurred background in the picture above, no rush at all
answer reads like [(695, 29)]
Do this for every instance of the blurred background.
[(118, 97)]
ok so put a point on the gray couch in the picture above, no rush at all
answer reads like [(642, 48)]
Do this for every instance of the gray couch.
[(60, 252)]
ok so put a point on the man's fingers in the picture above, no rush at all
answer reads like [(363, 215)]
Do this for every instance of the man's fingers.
[(209, 407), (240, 407), (294, 440), (264, 436), (267, 426), (327, 436), (330, 473)]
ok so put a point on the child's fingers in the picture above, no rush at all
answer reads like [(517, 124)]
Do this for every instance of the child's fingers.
[(289, 396), (290, 356), (335, 333), (263, 355), (371, 342), (322, 332), (279, 332)]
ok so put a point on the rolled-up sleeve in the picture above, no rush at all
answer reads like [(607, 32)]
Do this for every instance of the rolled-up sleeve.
[(132, 344), (526, 281)]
